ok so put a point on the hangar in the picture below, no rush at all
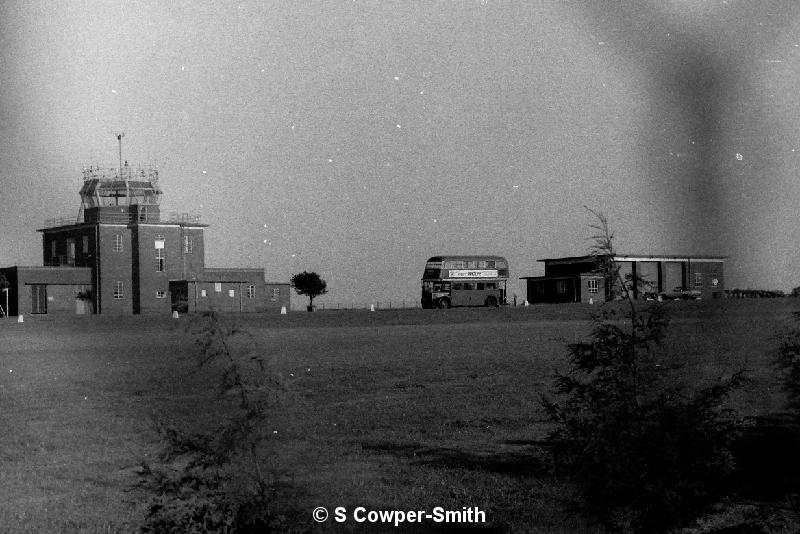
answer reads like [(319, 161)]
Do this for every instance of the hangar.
[(580, 278)]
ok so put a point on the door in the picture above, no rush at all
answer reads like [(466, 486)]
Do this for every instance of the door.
[(39, 298), (179, 296)]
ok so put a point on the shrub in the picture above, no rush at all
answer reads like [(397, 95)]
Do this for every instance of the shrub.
[(216, 480), (646, 454), (789, 362)]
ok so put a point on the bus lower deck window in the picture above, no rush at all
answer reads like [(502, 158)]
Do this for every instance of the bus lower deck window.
[(480, 286)]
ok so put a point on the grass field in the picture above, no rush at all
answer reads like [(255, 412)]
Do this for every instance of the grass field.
[(407, 409)]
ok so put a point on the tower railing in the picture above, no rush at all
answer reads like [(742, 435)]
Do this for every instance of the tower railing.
[(127, 217), (127, 172)]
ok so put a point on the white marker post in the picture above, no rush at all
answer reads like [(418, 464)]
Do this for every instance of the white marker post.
[(283, 310)]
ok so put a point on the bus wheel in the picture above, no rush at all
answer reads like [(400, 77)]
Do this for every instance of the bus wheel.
[(491, 302), (444, 303)]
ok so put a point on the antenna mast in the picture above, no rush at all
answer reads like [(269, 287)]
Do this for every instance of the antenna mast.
[(119, 136)]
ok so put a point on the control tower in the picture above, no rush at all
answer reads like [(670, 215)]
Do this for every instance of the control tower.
[(120, 257)]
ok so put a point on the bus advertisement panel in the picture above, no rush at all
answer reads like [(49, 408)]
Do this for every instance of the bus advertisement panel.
[(464, 281)]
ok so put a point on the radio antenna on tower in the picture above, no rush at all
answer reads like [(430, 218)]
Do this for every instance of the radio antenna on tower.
[(119, 136)]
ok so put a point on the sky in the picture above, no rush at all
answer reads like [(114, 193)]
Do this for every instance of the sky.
[(358, 138)]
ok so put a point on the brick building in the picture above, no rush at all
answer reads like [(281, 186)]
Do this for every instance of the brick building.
[(122, 257), (577, 279)]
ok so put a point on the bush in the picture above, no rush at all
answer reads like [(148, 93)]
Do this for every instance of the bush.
[(216, 480), (789, 362), (646, 454)]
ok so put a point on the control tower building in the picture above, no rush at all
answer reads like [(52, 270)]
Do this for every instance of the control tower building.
[(120, 256)]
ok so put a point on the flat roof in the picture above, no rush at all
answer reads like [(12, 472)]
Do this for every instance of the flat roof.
[(637, 257), (75, 226), (465, 257)]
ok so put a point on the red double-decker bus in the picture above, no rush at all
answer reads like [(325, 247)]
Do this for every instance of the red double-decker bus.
[(464, 281)]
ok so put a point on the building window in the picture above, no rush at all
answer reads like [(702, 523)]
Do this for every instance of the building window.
[(159, 241), (187, 244), (71, 251), (593, 286), (231, 293), (561, 287), (161, 294), (698, 279), (161, 259), (203, 293), (276, 293), (118, 291), (251, 292), (117, 242), (86, 244), (217, 287)]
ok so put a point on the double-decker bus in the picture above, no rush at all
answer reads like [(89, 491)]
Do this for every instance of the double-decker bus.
[(464, 281)]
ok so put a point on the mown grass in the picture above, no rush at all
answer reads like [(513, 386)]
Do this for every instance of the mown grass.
[(406, 409)]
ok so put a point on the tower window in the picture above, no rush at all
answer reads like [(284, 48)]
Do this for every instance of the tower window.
[(118, 291), (71, 251), (161, 260), (117, 242), (276, 292), (251, 292), (187, 244), (161, 294)]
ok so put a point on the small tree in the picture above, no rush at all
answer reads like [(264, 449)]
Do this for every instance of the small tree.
[(310, 284), (789, 362), (647, 454), (218, 478)]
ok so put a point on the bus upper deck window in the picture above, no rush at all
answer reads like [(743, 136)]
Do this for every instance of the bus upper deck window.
[(490, 264), (481, 265), (457, 287)]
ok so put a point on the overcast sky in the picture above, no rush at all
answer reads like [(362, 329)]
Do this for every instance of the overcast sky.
[(358, 138)]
